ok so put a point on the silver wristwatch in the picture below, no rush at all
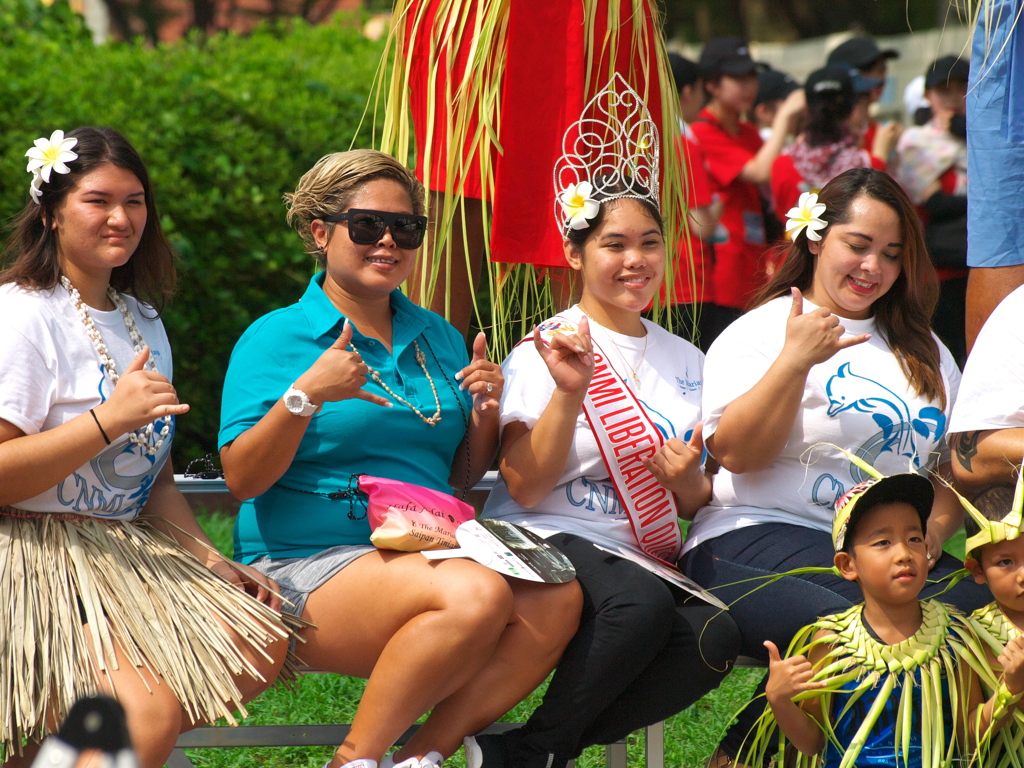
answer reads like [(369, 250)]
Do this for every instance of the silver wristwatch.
[(298, 402)]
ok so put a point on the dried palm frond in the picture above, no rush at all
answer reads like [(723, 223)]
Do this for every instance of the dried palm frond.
[(991, 631), (139, 592), (470, 104), (913, 669)]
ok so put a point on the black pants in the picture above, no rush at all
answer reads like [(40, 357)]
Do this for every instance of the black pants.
[(730, 564), (644, 651)]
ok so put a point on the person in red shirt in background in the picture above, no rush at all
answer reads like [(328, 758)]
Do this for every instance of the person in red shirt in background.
[(737, 160), (687, 290), (863, 54), (933, 170), (773, 86), (828, 145)]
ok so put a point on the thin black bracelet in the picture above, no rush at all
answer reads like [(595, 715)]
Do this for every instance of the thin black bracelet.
[(102, 431)]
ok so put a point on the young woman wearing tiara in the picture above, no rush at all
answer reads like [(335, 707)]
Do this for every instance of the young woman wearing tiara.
[(112, 584), (601, 454)]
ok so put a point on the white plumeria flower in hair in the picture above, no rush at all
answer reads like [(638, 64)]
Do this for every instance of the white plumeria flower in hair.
[(578, 205), (806, 214), (51, 154)]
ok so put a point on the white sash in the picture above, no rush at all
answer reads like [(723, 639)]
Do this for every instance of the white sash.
[(626, 435)]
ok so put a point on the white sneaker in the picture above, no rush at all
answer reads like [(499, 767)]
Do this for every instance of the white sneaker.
[(362, 762), (430, 760), (474, 755)]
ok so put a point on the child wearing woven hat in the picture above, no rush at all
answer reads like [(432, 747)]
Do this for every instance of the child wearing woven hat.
[(870, 686), (995, 556)]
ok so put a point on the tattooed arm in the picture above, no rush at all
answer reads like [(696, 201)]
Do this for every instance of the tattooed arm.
[(986, 457)]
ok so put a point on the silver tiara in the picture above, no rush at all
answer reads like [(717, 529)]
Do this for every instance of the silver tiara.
[(611, 152)]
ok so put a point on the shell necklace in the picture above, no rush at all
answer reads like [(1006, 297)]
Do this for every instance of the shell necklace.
[(140, 437), (422, 360)]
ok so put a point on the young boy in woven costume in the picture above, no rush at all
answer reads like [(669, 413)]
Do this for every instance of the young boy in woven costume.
[(995, 556), (871, 686)]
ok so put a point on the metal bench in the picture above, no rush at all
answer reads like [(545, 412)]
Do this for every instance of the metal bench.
[(332, 735)]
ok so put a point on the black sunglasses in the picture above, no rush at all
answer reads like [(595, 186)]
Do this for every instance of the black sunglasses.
[(367, 227)]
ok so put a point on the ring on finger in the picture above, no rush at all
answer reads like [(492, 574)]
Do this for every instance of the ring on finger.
[(490, 387)]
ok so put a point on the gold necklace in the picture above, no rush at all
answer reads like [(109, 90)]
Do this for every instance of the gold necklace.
[(632, 370), (422, 360)]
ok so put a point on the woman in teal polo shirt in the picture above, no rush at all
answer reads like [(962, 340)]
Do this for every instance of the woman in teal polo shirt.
[(355, 379)]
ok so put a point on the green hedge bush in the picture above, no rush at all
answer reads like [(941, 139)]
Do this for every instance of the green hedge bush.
[(226, 125)]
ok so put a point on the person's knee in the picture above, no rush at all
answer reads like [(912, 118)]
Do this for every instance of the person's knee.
[(477, 600), (564, 607), (719, 642), (645, 611), (552, 610), (267, 669), (155, 721)]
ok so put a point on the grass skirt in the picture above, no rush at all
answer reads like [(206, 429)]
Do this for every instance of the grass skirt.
[(139, 590)]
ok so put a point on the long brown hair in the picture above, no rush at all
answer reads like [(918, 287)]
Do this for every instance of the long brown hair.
[(31, 252), (903, 314)]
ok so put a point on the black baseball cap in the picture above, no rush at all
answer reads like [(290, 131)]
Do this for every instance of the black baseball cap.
[(945, 69), (831, 83), (860, 52), (838, 81), (730, 55), (774, 85), (908, 487), (684, 71)]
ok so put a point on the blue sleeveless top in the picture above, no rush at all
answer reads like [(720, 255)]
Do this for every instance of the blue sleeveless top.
[(880, 748)]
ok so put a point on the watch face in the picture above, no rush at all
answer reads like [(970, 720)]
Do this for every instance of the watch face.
[(293, 403)]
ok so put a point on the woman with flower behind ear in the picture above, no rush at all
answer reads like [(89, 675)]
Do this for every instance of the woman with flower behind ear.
[(836, 352), (111, 583), (601, 454)]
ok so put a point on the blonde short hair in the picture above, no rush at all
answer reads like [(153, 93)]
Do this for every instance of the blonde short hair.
[(328, 188)]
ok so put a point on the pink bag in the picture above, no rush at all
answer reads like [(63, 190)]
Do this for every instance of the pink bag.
[(410, 518)]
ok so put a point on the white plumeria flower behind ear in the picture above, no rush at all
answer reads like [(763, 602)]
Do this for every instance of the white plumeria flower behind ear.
[(806, 214), (50, 155), (578, 205)]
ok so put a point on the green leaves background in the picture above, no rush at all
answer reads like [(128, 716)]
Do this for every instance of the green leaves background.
[(226, 125)]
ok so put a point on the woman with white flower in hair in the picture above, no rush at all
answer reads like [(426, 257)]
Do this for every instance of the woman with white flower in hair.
[(601, 454), (111, 582), (837, 351)]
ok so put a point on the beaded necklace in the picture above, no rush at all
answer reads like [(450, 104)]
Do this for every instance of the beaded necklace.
[(140, 437), (422, 360)]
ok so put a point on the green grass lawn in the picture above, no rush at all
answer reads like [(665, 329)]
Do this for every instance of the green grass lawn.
[(690, 736)]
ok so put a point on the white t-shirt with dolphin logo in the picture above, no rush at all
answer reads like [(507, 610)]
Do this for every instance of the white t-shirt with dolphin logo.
[(50, 373), (859, 400)]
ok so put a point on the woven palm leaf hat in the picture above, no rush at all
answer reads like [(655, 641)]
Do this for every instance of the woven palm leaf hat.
[(909, 487)]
